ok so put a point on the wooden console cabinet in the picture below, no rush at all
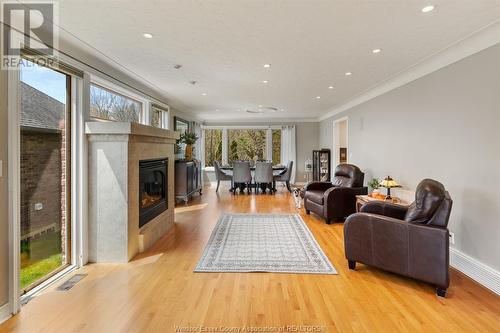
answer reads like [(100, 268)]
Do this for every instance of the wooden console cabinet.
[(187, 179)]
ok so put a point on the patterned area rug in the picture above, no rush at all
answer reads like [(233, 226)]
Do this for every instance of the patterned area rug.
[(263, 243)]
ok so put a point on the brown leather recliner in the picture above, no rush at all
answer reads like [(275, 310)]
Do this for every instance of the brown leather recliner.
[(411, 241), (336, 200)]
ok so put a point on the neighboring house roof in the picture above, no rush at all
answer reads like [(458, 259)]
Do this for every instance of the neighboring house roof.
[(39, 110)]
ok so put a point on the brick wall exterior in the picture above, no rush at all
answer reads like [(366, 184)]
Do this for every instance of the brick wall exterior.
[(40, 182), (43, 166)]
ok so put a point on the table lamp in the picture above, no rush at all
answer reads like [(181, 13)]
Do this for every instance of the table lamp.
[(389, 183)]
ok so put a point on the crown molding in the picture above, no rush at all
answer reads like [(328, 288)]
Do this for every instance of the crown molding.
[(274, 121), (471, 44)]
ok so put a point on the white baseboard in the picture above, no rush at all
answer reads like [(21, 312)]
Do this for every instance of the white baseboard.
[(479, 272), (5, 312)]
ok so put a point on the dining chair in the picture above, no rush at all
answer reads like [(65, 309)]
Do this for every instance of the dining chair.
[(284, 176), (263, 176), (242, 176), (221, 175)]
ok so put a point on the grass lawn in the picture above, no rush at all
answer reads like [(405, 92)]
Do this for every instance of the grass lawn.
[(39, 269), (40, 257)]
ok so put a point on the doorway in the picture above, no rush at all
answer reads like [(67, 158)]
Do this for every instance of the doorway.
[(45, 177), (340, 141)]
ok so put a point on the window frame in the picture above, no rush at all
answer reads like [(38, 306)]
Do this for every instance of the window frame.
[(164, 114), (142, 102)]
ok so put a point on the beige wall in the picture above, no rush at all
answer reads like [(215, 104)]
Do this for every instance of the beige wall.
[(4, 225), (443, 126)]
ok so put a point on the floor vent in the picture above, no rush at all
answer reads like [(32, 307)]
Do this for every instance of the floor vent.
[(71, 282)]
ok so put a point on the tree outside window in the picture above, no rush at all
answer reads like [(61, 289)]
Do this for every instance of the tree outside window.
[(246, 144), (107, 105), (276, 133), (213, 146)]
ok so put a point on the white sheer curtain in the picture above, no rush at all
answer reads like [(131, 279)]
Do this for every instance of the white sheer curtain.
[(197, 147), (288, 148)]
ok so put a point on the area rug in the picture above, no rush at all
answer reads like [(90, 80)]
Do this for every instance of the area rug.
[(263, 243)]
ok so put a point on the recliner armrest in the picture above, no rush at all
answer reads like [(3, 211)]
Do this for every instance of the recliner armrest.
[(415, 250), (318, 186), (385, 208), (334, 194)]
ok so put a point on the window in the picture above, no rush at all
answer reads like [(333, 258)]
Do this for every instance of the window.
[(44, 173), (159, 117), (246, 144), (213, 146), (108, 105), (276, 133)]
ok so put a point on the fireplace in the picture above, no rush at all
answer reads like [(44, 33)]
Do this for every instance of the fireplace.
[(153, 175)]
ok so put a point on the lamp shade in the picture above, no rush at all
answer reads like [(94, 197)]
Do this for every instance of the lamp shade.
[(388, 182)]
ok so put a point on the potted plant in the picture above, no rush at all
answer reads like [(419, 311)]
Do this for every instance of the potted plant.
[(189, 139), (374, 185)]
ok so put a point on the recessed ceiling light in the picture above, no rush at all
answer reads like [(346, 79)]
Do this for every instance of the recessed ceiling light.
[(282, 110), (265, 81), (260, 106), (216, 109), (348, 73), (147, 35), (204, 94), (376, 50), (267, 65), (318, 97), (330, 87), (427, 9)]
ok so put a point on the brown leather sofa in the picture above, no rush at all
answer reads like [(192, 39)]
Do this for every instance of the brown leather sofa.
[(336, 200), (411, 241)]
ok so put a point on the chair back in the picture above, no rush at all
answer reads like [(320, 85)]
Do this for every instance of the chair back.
[(348, 175), (218, 172), (263, 172), (241, 172), (432, 204), (287, 174)]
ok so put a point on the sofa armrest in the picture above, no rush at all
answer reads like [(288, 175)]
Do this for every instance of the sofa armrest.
[(377, 240), (416, 250), (429, 254), (341, 201), (318, 186), (337, 195), (385, 208)]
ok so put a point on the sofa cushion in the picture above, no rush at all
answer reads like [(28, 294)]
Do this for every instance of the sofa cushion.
[(315, 196), (428, 197)]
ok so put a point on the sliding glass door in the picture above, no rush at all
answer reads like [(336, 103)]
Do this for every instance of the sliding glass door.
[(45, 134)]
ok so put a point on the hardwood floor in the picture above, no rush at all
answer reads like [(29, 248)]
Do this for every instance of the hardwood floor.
[(158, 290)]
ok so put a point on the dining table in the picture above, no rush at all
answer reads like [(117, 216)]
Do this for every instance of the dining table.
[(277, 169), (252, 168)]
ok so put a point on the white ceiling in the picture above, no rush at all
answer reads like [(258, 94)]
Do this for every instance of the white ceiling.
[(309, 43)]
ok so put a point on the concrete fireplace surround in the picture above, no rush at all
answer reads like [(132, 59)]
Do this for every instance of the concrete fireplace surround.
[(115, 149)]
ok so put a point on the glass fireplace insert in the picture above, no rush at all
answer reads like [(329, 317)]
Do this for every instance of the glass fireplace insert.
[(153, 186)]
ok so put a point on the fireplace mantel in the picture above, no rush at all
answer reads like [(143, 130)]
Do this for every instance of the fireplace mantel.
[(124, 128), (115, 150)]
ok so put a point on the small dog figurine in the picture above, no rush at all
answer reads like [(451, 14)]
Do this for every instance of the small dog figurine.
[(297, 198)]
